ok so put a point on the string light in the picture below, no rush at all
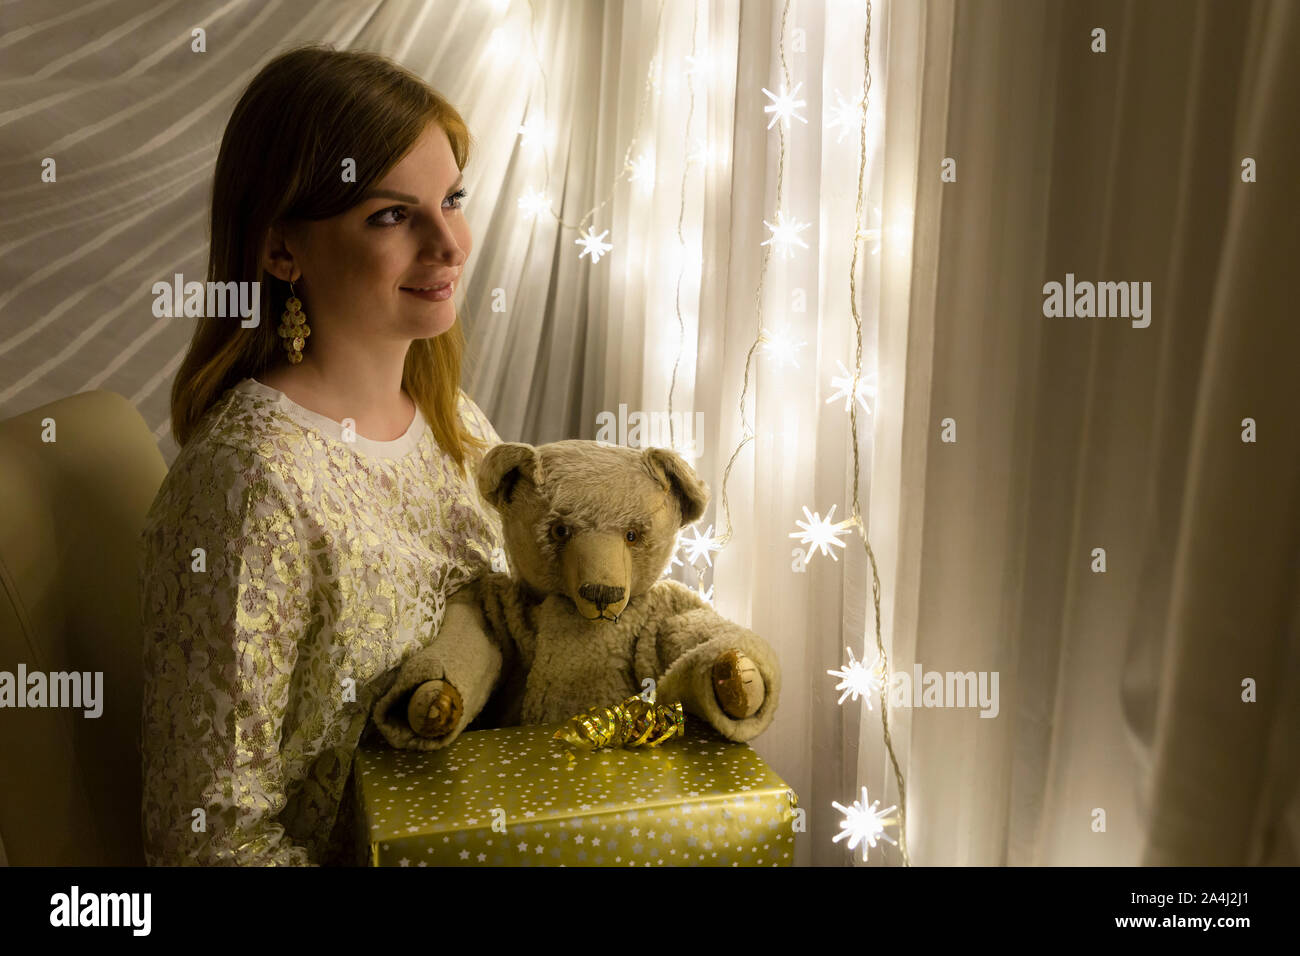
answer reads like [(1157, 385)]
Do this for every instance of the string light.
[(847, 389), (592, 245), (864, 824), (533, 203), (785, 234), (643, 171), (820, 533), (784, 105), (781, 347), (858, 679), (701, 545), (845, 116)]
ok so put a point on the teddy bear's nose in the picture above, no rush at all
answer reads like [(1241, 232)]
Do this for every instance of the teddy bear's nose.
[(601, 594)]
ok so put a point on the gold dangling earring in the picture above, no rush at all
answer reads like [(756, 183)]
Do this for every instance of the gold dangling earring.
[(294, 328)]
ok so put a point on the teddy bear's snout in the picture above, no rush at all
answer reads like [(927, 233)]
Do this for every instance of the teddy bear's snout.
[(601, 595)]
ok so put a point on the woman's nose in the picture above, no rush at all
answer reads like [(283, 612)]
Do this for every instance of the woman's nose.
[(438, 244)]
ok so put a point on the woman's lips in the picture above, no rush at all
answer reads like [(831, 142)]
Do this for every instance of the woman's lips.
[(432, 295)]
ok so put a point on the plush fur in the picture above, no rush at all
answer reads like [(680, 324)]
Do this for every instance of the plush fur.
[(585, 618)]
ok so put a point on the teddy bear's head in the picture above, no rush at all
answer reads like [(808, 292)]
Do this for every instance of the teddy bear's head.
[(592, 521)]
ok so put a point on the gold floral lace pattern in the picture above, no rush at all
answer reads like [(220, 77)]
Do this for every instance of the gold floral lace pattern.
[(284, 578)]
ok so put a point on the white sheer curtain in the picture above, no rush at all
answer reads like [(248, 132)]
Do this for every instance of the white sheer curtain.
[(1119, 691), (134, 118)]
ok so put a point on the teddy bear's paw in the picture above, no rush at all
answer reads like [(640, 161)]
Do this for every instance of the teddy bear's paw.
[(738, 685), (435, 709)]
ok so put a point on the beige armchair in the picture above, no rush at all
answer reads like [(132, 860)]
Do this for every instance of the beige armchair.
[(71, 512)]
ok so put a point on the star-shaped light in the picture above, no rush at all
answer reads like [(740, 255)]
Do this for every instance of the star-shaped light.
[(532, 130), (699, 66), (859, 679), (819, 532), (643, 170), (845, 389), (707, 595), (784, 233), (784, 106), (845, 116), (864, 824), (593, 244), (533, 203), (701, 545), (701, 153), (780, 346)]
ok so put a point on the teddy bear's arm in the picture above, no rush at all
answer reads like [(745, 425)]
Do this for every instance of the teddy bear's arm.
[(465, 654), (679, 652)]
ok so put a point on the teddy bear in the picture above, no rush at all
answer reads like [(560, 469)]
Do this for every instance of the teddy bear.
[(585, 618)]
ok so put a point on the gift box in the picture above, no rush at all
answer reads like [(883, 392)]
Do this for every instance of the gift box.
[(513, 797)]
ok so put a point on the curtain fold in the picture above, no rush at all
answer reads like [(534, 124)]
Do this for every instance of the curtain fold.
[(1120, 690)]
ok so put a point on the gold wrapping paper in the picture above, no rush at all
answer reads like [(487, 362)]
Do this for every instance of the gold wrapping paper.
[(508, 797)]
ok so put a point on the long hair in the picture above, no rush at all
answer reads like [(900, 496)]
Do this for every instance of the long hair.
[(280, 160)]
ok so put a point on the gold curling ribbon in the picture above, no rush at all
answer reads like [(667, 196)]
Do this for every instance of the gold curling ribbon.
[(634, 723)]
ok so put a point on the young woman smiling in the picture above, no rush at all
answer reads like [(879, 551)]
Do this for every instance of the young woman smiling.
[(322, 506)]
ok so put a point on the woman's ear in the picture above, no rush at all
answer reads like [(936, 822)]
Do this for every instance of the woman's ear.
[(668, 468), (276, 258), (501, 469)]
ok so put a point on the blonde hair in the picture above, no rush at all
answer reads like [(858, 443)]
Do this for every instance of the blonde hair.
[(279, 161)]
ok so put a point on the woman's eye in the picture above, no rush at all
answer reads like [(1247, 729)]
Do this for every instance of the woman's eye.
[(381, 218), (457, 197)]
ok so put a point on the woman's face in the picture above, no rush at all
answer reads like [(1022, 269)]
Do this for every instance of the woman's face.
[(361, 267)]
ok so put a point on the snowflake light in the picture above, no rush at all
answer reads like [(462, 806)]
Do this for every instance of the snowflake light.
[(533, 130), (643, 170), (784, 106), (784, 233), (701, 152), (593, 244), (533, 203), (819, 532), (699, 66), (780, 346), (701, 545), (858, 679), (706, 595), (845, 389), (845, 116), (864, 824)]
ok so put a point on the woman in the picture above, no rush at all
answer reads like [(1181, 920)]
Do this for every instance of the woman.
[(292, 563)]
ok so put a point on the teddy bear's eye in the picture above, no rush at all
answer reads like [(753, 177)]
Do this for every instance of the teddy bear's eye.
[(631, 535), (560, 532)]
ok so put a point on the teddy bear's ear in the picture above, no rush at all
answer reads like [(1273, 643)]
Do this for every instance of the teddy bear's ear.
[(668, 468), (502, 467)]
